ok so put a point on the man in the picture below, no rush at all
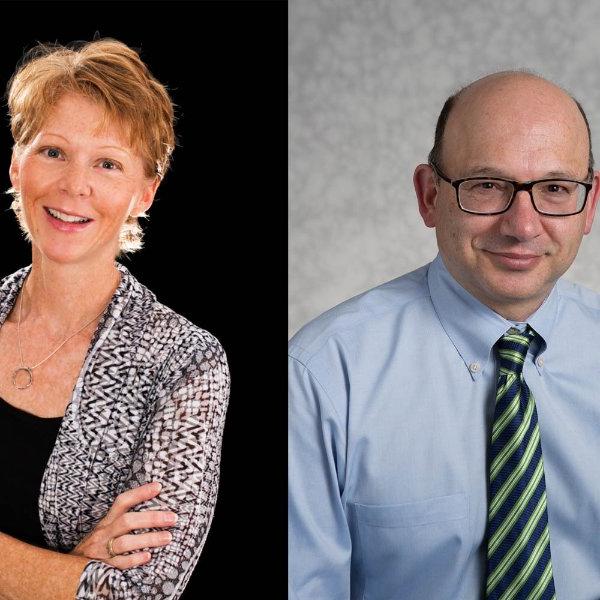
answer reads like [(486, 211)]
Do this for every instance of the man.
[(445, 426)]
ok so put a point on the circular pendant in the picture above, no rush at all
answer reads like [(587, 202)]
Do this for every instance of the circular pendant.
[(22, 378)]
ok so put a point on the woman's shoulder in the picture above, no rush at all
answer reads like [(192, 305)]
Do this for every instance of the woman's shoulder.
[(9, 288), (187, 333), (165, 324), (9, 282)]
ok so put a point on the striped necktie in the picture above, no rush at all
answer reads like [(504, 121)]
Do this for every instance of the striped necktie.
[(518, 553)]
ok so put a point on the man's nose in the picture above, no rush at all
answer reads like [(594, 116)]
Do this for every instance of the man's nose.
[(75, 179), (521, 220)]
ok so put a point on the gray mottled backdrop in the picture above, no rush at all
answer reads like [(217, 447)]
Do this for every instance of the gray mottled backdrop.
[(367, 81)]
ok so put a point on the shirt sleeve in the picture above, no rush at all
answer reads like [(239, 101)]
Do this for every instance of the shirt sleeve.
[(181, 448), (319, 538)]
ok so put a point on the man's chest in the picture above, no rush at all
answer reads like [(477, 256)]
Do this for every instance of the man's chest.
[(416, 484)]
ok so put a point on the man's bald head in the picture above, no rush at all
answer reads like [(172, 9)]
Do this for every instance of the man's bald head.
[(458, 106)]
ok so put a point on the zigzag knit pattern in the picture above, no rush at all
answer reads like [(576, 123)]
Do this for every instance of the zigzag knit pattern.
[(149, 405)]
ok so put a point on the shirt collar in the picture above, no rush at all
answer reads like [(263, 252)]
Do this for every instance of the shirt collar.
[(474, 328)]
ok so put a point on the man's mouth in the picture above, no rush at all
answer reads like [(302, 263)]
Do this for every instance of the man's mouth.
[(517, 255), (519, 261)]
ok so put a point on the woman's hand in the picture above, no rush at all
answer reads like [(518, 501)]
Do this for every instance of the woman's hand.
[(117, 525)]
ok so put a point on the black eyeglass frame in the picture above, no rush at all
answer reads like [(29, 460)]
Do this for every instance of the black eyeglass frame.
[(518, 186)]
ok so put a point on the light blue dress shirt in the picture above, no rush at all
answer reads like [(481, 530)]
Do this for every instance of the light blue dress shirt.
[(391, 402)]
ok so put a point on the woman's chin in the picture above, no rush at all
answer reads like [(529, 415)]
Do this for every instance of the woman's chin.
[(61, 254)]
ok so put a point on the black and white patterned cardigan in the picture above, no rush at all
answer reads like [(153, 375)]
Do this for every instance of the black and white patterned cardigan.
[(149, 405)]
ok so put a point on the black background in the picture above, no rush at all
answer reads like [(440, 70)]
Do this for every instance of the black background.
[(216, 238)]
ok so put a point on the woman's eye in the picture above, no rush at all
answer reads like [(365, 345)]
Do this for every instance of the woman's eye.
[(51, 152), (110, 165)]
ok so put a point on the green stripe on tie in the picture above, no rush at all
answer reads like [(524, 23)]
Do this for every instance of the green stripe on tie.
[(520, 542), (514, 442), (514, 477), (507, 416), (516, 510), (525, 572), (512, 355), (540, 586)]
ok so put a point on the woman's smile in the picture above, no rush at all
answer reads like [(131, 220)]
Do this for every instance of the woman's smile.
[(63, 221)]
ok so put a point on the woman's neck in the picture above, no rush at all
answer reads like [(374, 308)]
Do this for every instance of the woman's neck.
[(64, 296)]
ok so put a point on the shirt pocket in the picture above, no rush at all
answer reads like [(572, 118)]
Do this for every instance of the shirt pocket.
[(414, 550)]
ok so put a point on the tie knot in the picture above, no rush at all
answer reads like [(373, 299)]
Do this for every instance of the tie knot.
[(512, 348)]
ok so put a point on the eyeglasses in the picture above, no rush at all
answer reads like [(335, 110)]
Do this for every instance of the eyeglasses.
[(493, 195)]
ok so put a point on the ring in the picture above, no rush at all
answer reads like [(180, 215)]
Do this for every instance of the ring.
[(109, 548)]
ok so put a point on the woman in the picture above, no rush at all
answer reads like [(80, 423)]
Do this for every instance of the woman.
[(112, 405)]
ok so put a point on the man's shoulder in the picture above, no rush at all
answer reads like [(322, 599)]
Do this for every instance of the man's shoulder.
[(360, 313)]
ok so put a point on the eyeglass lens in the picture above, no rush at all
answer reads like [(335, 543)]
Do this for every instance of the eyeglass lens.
[(550, 197)]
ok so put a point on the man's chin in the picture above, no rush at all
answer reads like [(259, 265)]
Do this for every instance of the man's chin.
[(514, 291)]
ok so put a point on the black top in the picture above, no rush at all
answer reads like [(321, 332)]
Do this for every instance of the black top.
[(26, 442)]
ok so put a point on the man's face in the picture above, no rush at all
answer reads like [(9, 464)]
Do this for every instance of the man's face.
[(520, 129)]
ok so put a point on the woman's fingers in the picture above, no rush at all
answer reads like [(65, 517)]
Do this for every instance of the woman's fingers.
[(130, 560), (146, 519), (118, 524), (129, 543), (130, 498)]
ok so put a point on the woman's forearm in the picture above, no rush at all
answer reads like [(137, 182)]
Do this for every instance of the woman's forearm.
[(31, 573)]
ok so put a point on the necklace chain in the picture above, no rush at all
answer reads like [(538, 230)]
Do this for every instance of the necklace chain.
[(29, 370)]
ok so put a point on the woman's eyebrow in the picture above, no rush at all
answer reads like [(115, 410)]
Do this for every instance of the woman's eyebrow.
[(103, 147)]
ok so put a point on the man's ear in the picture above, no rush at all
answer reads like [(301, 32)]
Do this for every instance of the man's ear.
[(592, 202), (426, 189)]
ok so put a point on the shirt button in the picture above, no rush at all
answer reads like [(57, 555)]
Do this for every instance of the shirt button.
[(474, 367), (540, 361)]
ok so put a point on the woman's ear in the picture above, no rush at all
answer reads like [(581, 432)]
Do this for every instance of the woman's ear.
[(144, 202), (13, 170)]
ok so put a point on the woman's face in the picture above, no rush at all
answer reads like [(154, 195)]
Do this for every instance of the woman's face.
[(78, 184)]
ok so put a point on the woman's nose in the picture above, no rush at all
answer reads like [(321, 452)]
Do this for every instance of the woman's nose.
[(75, 180)]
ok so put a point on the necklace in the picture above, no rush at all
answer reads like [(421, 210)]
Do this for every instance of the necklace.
[(28, 371)]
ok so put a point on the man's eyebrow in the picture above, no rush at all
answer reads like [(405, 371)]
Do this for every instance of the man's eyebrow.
[(487, 171), (564, 175)]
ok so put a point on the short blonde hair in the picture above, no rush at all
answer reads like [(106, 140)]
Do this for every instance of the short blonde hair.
[(111, 74)]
